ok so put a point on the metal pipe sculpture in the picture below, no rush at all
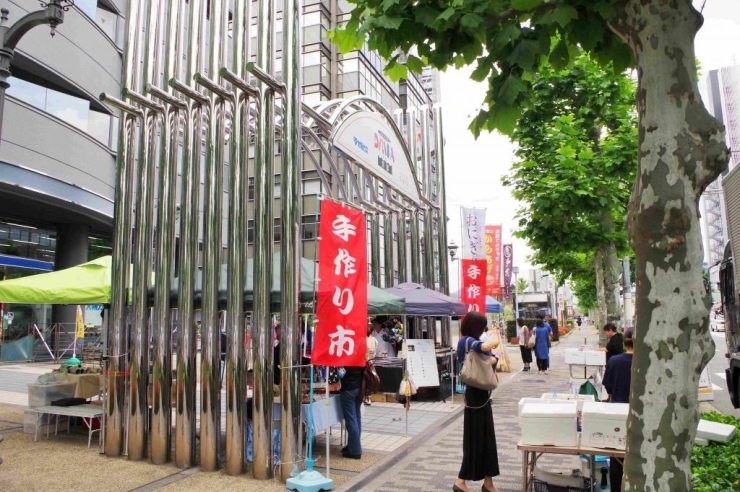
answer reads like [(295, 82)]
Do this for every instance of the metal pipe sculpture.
[(290, 213), (186, 106)]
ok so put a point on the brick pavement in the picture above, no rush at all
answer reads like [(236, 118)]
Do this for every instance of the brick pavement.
[(430, 462)]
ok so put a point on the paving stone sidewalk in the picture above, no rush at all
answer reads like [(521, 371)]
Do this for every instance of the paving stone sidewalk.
[(431, 461)]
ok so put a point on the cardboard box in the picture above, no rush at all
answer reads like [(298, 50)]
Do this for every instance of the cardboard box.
[(604, 425), (551, 424), (714, 431)]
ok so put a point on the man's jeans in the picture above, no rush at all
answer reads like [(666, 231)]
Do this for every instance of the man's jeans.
[(351, 405)]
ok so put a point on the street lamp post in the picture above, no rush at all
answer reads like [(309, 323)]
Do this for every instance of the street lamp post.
[(515, 271), (51, 14)]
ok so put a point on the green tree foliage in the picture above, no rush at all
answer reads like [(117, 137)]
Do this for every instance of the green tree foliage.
[(522, 285), (577, 150)]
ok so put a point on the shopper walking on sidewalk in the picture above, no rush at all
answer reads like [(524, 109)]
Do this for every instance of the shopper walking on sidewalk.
[(542, 345), (524, 335), (480, 456)]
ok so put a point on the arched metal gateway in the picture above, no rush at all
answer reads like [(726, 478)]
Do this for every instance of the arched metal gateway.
[(203, 131)]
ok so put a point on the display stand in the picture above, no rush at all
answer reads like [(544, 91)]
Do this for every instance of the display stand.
[(421, 362)]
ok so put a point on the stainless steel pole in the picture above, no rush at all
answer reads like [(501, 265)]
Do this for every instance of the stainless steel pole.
[(236, 260), (402, 256), (142, 259), (415, 253), (374, 248), (444, 270), (121, 257), (165, 266), (388, 250), (210, 373), (138, 438), (263, 247), (185, 417), (290, 213), (429, 253)]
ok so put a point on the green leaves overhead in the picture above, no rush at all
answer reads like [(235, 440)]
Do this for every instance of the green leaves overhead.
[(515, 34), (525, 4), (577, 158)]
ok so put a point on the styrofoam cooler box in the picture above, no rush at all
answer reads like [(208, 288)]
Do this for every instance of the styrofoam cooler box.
[(579, 399), (604, 425), (595, 358), (551, 424), (525, 400), (714, 431), (575, 356)]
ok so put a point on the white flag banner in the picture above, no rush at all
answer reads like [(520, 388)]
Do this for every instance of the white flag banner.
[(473, 228)]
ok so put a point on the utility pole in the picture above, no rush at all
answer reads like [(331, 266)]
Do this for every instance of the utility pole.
[(51, 14)]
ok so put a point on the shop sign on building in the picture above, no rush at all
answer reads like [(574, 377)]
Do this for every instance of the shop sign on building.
[(370, 141), (341, 308)]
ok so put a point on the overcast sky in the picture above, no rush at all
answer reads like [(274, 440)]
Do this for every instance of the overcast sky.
[(474, 167)]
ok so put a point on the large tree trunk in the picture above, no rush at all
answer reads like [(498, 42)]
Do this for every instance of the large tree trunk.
[(681, 151)]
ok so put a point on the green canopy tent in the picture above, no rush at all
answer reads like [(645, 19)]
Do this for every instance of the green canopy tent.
[(89, 283)]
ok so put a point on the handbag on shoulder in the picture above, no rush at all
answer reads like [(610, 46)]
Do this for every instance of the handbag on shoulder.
[(532, 340), (476, 370)]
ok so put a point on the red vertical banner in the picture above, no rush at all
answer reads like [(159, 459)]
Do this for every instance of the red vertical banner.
[(473, 292), (493, 260), (341, 299)]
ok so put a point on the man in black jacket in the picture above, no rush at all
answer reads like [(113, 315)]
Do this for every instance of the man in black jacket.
[(615, 344)]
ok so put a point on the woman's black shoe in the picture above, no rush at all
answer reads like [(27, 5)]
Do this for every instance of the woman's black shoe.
[(351, 456), (455, 488)]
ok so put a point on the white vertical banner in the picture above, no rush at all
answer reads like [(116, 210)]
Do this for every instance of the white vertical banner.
[(473, 230)]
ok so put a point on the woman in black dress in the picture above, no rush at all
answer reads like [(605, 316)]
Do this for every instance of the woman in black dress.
[(480, 457)]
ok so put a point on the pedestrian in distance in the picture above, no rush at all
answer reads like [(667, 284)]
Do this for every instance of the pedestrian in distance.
[(372, 348), (617, 379), (480, 456), (524, 334), (542, 334)]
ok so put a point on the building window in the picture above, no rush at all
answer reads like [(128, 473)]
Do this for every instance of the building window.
[(309, 226), (70, 109)]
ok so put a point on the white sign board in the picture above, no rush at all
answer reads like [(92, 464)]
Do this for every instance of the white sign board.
[(421, 362), (367, 138), (92, 315)]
